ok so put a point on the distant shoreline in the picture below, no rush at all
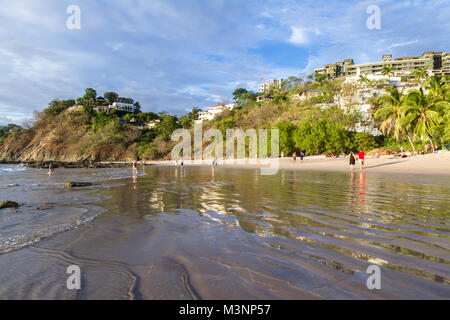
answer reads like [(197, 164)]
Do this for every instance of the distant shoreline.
[(430, 164)]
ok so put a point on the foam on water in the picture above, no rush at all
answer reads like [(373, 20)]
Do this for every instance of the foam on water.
[(11, 168), (46, 207)]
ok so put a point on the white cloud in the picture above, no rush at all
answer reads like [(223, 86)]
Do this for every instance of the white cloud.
[(402, 44), (299, 36)]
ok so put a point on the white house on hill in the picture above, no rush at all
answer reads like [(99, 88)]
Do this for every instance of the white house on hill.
[(153, 123), (123, 106), (213, 111)]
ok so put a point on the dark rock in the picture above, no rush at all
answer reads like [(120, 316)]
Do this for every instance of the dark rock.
[(8, 204), (77, 184)]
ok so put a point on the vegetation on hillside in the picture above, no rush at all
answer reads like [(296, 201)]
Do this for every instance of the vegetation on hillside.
[(329, 124)]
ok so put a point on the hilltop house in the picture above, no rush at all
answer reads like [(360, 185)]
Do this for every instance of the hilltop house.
[(308, 94), (153, 123), (213, 111), (101, 99), (121, 106), (269, 84), (100, 109)]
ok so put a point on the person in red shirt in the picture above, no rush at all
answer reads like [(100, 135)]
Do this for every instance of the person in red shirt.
[(361, 156)]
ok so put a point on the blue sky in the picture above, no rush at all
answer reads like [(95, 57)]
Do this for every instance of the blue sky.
[(173, 55)]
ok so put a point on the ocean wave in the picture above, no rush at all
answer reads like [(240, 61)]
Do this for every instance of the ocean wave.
[(36, 231), (11, 168)]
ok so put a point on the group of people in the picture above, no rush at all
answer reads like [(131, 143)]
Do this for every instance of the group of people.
[(294, 156), (361, 157), (352, 160), (430, 147)]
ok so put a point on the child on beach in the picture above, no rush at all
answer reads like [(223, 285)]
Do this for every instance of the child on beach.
[(294, 156), (302, 155)]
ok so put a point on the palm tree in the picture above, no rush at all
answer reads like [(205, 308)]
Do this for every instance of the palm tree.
[(422, 114), (388, 70), (437, 86), (420, 74), (363, 79), (446, 137), (390, 113)]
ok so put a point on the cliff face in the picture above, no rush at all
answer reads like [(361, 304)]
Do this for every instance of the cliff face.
[(70, 138)]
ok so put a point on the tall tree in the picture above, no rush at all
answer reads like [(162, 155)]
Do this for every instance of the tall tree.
[(422, 114), (137, 107), (437, 86), (237, 94), (388, 70), (420, 74), (390, 113), (111, 96), (90, 94), (90, 97)]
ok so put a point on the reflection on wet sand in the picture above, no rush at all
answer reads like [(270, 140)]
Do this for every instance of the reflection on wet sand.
[(192, 233)]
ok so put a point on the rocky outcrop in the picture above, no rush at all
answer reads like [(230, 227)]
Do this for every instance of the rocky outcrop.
[(65, 140)]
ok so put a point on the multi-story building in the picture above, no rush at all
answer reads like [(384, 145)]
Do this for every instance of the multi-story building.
[(435, 62), (269, 84), (445, 64)]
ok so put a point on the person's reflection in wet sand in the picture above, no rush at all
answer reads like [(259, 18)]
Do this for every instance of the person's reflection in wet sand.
[(362, 186), (294, 180), (135, 179), (213, 172), (354, 188)]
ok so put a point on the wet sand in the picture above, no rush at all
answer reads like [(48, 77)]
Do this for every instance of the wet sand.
[(198, 233)]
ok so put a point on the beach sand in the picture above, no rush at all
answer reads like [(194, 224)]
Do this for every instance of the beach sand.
[(431, 164)]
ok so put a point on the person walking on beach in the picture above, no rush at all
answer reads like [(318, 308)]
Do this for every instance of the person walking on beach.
[(50, 169), (294, 156), (135, 168), (302, 155), (352, 161), (361, 156)]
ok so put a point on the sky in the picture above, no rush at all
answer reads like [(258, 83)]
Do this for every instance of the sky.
[(173, 55)]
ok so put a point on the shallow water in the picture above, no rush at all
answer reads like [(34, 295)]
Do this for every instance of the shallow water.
[(198, 233), (46, 208)]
